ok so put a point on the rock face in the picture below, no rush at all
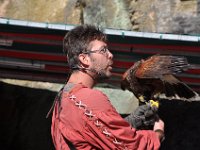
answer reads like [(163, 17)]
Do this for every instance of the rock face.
[(166, 16), (104, 13)]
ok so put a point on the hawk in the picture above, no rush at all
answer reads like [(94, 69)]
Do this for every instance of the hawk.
[(155, 77)]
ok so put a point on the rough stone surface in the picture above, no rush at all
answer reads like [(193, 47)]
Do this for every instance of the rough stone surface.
[(163, 16), (104, 13)]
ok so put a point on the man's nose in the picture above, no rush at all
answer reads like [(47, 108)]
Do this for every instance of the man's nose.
[(110, 55)]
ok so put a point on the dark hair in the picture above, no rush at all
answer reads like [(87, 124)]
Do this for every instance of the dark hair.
[(77, 40)]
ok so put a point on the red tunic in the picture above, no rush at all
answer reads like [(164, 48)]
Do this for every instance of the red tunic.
[(87, 119)]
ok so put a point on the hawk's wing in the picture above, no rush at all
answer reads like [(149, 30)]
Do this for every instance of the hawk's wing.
[(155, 75), (159, 65)]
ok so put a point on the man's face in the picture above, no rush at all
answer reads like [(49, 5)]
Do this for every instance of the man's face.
[(100, 59)]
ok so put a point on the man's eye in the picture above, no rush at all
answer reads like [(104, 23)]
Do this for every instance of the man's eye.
[(104, 50)]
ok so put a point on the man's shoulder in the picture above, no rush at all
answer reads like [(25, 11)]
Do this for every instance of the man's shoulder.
[(94, 99), (92, 92), (89, 95)]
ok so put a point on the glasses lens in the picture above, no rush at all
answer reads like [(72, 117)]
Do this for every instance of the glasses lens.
[(104, 50)]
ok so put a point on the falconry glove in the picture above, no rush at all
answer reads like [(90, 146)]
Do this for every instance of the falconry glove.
[(143, 117)]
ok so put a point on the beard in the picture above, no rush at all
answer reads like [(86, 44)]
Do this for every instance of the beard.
[(101, 70), (102, 76), (99, 74)]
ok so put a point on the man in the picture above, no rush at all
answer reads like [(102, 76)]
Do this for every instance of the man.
[(84, 117)]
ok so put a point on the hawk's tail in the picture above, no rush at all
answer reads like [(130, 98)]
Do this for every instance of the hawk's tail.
[(179, 91)]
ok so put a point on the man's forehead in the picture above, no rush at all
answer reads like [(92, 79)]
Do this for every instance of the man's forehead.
[(97, 44)]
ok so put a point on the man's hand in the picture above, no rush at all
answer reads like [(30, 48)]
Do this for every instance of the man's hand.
[(159, 129), (143, 117)]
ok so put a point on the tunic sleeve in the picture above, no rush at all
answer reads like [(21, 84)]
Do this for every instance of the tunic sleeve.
[(109, 129)]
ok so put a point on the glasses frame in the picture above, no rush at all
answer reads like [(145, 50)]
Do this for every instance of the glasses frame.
[(103, 50)]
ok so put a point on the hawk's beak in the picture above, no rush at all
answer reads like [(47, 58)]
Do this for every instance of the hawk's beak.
[(123, 84)]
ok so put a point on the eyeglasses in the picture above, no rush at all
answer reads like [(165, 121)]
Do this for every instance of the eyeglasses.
[(103, 50)]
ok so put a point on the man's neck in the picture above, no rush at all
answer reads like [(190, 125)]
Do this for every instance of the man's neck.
[(82, 77)]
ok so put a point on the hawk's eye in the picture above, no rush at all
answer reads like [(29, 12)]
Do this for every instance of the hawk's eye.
[(131, 71)]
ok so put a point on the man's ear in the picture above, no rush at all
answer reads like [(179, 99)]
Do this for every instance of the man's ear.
[(83, 59)]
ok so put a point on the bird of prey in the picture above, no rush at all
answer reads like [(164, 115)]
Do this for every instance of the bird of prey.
[(155, 77)]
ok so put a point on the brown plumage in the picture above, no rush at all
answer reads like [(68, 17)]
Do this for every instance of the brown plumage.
[(155, 77)]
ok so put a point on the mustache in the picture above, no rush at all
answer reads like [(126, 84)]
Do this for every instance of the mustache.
[(110, 63)]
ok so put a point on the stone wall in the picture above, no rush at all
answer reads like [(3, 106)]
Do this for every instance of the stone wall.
[(163, 16)]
